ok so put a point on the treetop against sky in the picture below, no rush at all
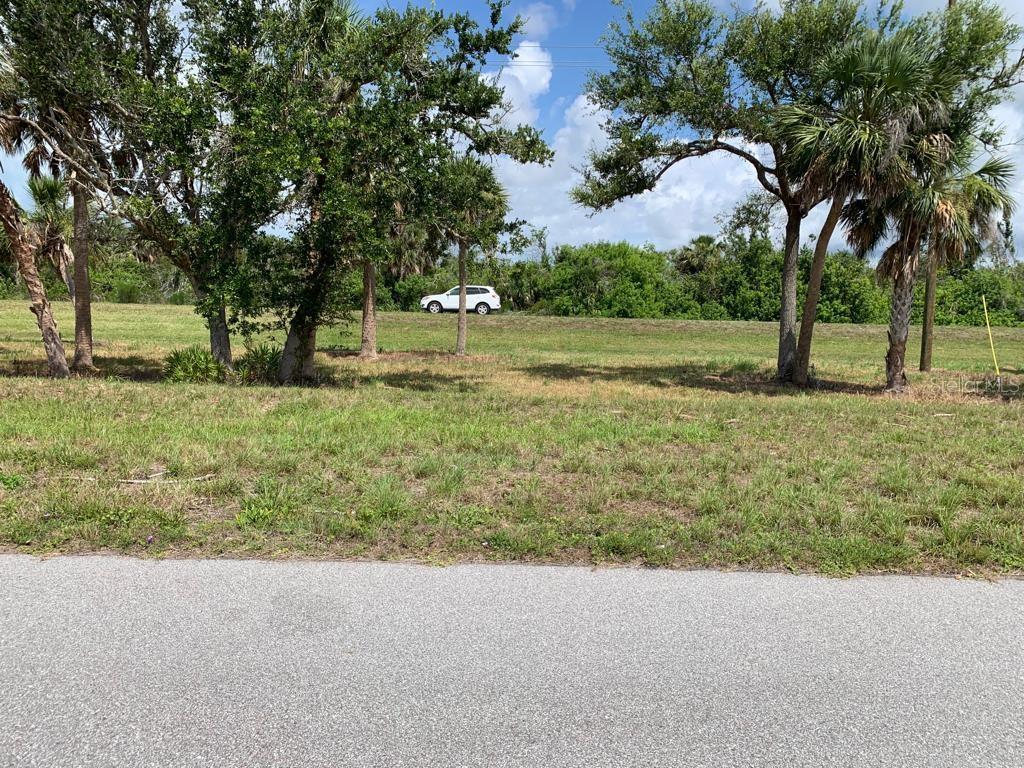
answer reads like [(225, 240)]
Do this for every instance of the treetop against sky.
[(559, 45)]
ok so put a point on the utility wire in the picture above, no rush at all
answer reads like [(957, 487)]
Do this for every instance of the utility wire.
[(548, 63)]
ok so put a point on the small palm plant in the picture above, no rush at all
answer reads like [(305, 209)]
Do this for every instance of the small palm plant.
[(51, 220), (193, 365)]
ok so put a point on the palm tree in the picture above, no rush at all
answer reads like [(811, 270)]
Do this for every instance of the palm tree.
[(21, 133), (52, 221), (21, 243), (878, 91), (699, 255), (942, 207), (417, 246), (971, 201)]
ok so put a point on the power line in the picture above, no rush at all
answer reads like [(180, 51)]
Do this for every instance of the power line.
[(531, 44), (516, 63), (578, 64)]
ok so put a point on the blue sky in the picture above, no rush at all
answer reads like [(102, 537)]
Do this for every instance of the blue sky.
[(559, 44), (545, 83)]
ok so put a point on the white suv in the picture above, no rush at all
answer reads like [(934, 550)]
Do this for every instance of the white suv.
[(481, 299)]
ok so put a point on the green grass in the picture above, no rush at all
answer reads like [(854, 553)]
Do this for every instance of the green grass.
[(655, 442)]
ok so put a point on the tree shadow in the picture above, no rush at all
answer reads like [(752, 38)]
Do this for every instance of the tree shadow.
[(416, 381), (150, 370), (128, 367), (401, 356), (431, 376), (735, 380)]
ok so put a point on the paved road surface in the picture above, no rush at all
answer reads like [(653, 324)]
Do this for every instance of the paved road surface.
[(116, 662)]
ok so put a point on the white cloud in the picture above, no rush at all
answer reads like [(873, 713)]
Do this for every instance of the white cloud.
[(538, 20), (682, 206), (525, 79), (686, 202), (1010, 117)]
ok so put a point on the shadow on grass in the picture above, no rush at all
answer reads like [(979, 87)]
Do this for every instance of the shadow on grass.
[(417, 381), (129, 367), (737, 379), (149, 370), (402, 356), (432, 376)]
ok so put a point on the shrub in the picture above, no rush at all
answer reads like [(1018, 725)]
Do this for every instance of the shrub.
[(385, 301), (610, 279), (712, 310), (9, 289), (958, 297), (679, 303), (627, 299), (193, 365), (409, 290), (125, 280), (180, 298), (125, 292), (259, 365), (850, 293)]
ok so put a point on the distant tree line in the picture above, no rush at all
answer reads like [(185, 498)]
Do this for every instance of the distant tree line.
[(730, 277)]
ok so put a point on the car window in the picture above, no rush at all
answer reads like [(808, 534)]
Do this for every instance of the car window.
[(453, 292), (476, 291)]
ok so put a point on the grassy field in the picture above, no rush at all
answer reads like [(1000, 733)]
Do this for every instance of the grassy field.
[(560, 440)]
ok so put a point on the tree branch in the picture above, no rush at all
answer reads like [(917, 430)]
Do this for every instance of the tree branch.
[(706, 147)]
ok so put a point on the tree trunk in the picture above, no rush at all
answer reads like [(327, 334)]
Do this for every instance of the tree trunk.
[(10, 219), (220, 336), (803, 350), (460, 341), (83, 292), (928, 326), (309, 354), (368, 342), (299, 351), (899, 323), (288, 372), (64, 262), (928, 323), (217, 322), (787, 314)]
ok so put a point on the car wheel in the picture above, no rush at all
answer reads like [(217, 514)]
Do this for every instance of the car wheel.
[(482, 309), (434, 307)]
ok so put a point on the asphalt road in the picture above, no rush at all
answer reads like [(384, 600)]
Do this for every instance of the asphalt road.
[(116, 662)]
